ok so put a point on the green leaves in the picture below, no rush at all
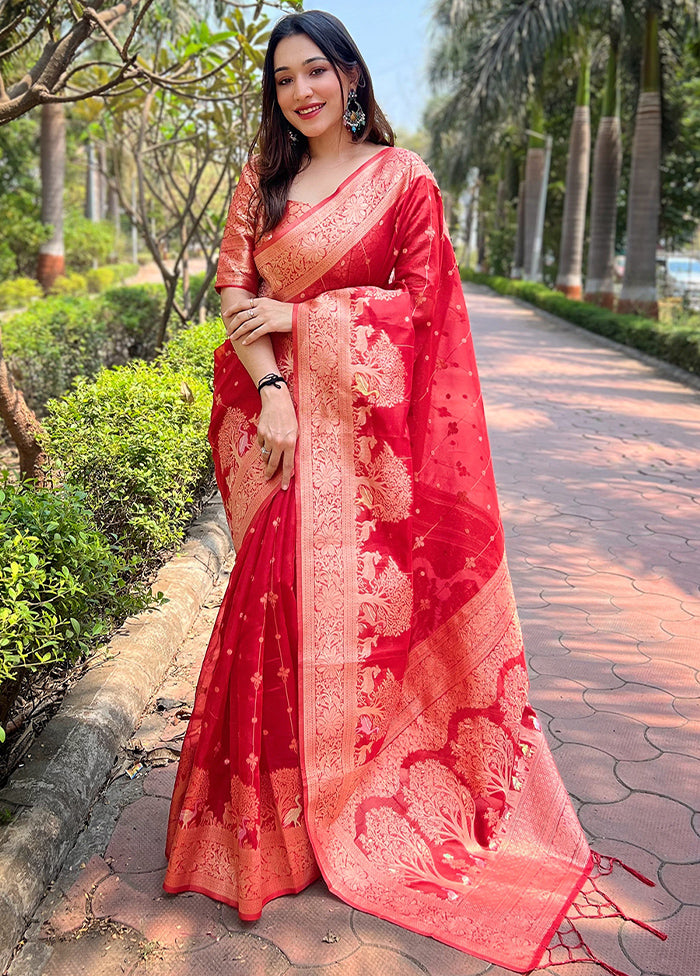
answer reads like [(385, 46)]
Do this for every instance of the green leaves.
[(134, 441), (58, 574), (59, 339), (131, 449)]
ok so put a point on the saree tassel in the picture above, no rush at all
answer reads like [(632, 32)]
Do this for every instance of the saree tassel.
[(604, 870)]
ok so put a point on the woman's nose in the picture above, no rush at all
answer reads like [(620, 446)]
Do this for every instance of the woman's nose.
[(302, 88)]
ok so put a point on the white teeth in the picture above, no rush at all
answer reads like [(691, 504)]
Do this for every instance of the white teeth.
[(308, 111)]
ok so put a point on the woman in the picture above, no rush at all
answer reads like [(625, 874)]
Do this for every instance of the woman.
[(362, 710)]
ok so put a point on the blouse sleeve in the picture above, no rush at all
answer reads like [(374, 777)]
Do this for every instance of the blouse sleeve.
[(236, 268)]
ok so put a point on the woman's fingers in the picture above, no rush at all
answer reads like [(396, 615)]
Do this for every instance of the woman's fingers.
[(287, 467), (247, 322), (280, 451)]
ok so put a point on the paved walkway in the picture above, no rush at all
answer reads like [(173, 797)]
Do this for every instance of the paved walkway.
[(598, 461)]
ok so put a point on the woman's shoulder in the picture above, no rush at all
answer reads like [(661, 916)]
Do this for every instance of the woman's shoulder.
[(408, 161)]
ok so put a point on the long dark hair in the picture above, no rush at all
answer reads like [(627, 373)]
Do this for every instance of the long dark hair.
[(280, 157)]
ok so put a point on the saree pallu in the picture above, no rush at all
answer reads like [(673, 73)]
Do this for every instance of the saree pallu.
[(423, 788)]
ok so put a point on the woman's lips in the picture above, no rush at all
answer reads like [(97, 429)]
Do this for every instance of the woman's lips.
[(309, 111)]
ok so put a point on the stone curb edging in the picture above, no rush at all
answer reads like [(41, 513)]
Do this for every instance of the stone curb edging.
[(50, 797)]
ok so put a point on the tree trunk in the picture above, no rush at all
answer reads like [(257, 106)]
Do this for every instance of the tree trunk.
[(519, 251), (22, 425), (639, 284), (91, 191), (101, 181), (607, 163), (534, 175), (569, 280), (53, 168)]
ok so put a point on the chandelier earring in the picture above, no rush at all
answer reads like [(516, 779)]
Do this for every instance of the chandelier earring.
[(353, 117), (293, 136)]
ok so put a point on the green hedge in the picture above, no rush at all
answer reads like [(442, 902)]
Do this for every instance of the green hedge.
[(134, 441), (18, 292), (62, 585), (212, 301), (676, 343), (192, 349), (60, 338), (130, 451)]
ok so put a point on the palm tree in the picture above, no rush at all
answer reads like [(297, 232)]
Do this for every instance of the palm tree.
[(607, 163), (536, 180), (514, 40), (639, 284), (576, 194)]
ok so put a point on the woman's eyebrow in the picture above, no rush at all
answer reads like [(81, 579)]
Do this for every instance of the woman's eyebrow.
[(316, 57)]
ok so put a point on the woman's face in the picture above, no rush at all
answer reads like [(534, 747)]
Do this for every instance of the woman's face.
[(307, 87)]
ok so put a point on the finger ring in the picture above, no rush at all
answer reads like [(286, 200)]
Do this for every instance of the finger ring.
[(264, 452), (252, 303), (251, 313)]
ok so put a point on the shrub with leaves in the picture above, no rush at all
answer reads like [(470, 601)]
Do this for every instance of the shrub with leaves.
[(134, 311), (59, 339), (212, 300), (100, 279), (62, 586), (18, 292), (71, 283), (134, 441), (192, 350), (87, 242)]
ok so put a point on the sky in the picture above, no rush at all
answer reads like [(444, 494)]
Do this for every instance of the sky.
[(393, 40)]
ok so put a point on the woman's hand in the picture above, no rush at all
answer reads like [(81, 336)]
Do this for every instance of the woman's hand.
[(250, 319), (277, 431)]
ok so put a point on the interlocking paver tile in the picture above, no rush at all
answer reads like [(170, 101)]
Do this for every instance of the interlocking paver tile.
[(366, 960), (683, 741), (435, 957), (668, 775), (100, 953), (678, 680), (299, 925), (70, 915), (642, 626), (137, 842), (591, 672), (608, 645), (588, 774), (232, 955), (664, 824), (688, 629), (649, 705), (186, 921), (558, 696), (160, 781), (551, 619), (683, 882), (539, 638), (688, 707), (602, 935), (621, 736), (663, 606), (678, 956)]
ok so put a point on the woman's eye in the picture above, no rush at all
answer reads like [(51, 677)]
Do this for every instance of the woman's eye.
[(318, 71)]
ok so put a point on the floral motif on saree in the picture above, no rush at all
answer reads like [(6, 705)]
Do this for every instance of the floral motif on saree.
[(426, 794)]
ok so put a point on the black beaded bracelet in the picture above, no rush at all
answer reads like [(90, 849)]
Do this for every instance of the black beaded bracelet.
[(272, 379)]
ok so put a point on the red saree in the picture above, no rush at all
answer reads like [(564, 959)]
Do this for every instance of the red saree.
[(416, 776)]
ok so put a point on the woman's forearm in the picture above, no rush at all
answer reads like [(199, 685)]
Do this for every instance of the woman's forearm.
[(257, 358), (277, 422)]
